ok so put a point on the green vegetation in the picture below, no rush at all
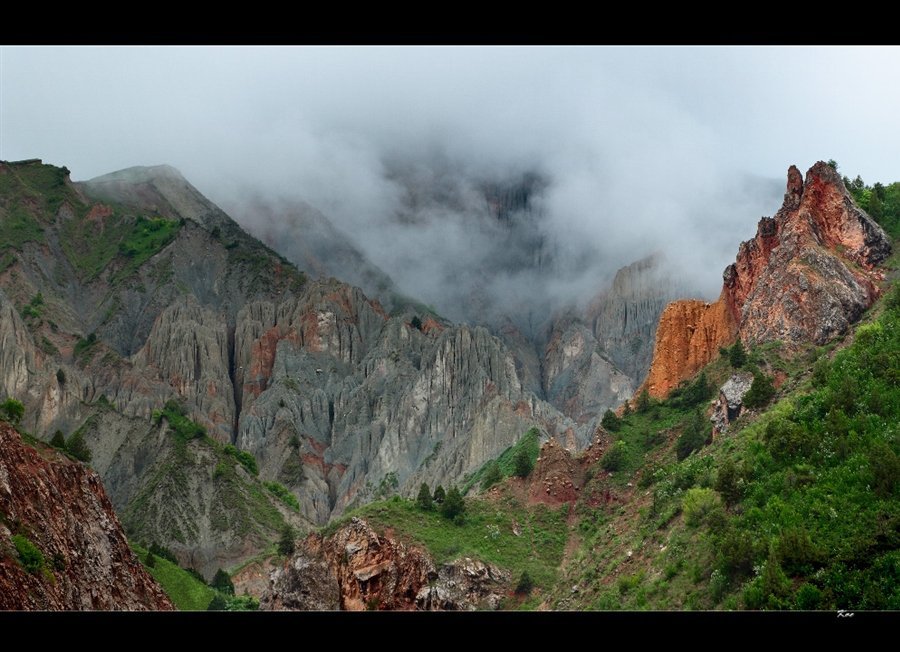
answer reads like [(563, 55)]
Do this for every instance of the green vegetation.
[(222, 582), (114, 240), (58, 441), (610, 421), (175, 415), (184, 589), (454, 507), (493, 474), (424, 500), (616, 457), (30, 556), (760, 393), (78, 448), (83, 346), (525, 585), (795, 508), (696, 432), (737, 355), (530, 443), (34, 308), (246, 459), (486, 534), (286, 544), (12, 411), (522, 462), (881, 202), (18, 226), (283, 494)]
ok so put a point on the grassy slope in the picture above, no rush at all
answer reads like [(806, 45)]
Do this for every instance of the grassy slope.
[(813, 516), (487, 533), (186, 591)]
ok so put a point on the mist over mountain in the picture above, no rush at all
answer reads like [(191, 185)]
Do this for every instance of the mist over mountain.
[(485, 247)]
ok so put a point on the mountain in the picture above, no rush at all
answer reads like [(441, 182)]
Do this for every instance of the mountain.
[(473, 243), (788, 500), (137, 313), (809, 273), (61, 544)]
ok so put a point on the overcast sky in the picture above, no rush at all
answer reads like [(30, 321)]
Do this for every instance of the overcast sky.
[(645, 146)]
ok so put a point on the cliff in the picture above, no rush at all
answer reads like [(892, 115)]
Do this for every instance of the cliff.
[(61, 544), (807, 275)]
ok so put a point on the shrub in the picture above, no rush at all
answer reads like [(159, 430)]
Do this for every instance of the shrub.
[(162, 551), (729, 483), (699, 504), (282, 493), (221, 581), (61, 376), (737, 355), (694, 435), (453, 507), (786, 439), (885, 466), (736, 552), (626, 409), (439, 494), (614, 459), (689, 395), (78, 447), (217, 603), (246, 459), (492, 475), (424, 500), (12, 411), (416, 323), (58, 441), (610, 421), (809, 597), (760, 393), (286, 544), (150, 562), (29, 554), (522, 462), (796, 551), (525, 584), (643, 401)]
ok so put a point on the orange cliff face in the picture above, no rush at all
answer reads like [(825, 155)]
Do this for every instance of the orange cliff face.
[(689, 335), (807, 275)]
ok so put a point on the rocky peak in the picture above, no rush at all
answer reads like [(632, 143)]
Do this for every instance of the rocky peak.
[(806, 276)]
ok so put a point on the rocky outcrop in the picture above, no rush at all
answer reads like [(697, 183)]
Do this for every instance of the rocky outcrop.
[(689, 332), (729, 404), (557, 477), (356, 569), (60, 509), (809, 273)]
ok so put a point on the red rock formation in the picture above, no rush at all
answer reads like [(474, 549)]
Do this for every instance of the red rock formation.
[(356, 569), (61, 507), (806, 276), (690, 333)]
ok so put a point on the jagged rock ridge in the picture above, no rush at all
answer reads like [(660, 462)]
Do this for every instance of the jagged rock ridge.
[(809, 273)]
